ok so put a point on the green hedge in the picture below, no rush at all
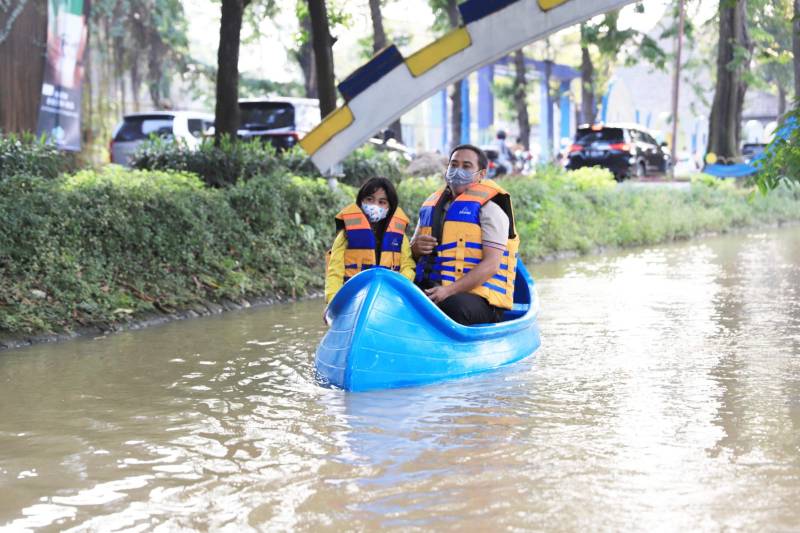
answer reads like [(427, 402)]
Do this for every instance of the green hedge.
[(96, 248), (29, 154), (229, 163), (781, 161), (217, 166), (559, 211)]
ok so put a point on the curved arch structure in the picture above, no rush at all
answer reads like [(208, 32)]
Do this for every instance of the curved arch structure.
[(389, 84)]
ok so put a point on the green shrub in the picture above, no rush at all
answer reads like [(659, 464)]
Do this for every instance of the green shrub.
[(364, 163), (367, 162), (554, 216), (28, 154), (97, 248), (231, 162), (100, 247), (217, 166), (591, 178), (781, 161), (296, 161), (411, 192), (713, 182), (291, 224)]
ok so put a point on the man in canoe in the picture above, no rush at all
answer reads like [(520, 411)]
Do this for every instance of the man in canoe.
[(466, 243)]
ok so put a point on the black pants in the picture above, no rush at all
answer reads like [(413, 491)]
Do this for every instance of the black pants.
[(468, 309)]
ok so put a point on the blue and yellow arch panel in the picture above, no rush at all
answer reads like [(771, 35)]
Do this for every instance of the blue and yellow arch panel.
[(389, 84)]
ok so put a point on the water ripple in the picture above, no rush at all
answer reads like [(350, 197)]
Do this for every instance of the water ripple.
[(665, 396)]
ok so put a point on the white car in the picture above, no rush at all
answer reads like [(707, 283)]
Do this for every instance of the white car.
[(188, 126)]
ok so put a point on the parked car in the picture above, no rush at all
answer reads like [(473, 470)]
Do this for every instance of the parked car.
[(281, 121), (627, 150), (751, 151), (188, 126)]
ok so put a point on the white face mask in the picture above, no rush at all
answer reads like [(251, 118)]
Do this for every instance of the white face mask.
[(375, 213)]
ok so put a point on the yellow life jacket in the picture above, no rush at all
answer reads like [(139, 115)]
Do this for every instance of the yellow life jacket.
[(360, 252), (460, 245)]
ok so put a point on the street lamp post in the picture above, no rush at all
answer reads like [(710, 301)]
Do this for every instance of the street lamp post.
[(676, 82)]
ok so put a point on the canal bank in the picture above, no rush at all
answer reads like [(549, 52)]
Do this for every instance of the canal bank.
[(146, 320), (94, 253), (201, 309)]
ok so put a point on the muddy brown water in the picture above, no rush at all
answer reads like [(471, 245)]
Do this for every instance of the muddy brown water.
[(665, 396)]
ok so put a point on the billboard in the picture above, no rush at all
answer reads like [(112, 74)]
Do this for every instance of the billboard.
[(60, 109)]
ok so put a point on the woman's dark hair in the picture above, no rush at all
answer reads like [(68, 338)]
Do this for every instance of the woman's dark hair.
[(372, 185)]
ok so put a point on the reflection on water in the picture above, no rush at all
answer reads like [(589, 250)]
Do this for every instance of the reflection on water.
[(666, 395)]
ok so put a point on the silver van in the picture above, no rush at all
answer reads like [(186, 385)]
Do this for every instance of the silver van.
[(188, 126)]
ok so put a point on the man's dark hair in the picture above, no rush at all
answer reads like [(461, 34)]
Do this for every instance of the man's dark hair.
[(483, 161)]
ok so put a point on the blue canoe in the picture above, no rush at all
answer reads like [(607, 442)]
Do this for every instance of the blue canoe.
[(386, 333)]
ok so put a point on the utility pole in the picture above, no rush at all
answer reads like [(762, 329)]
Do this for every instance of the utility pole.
[(676, 80)]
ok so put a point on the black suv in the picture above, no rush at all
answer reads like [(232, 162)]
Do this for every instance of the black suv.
[(626, 150)]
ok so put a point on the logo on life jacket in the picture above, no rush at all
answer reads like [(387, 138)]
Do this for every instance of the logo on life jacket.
[(465, 211)]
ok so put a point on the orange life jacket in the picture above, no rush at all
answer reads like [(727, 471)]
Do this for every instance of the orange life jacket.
[(360, 252), (461, 247)]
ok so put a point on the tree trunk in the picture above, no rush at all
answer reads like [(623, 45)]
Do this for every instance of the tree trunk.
[(455, 95), (378, 33), (323, 55), (781, 100), (796, 49), (139, 34), (136, 83), (379, 42), (227, 108), (155, 71), (22, 59), (104, 94), (520, 100), (588, 108), (118, 55), (305, 57), (724, 128)]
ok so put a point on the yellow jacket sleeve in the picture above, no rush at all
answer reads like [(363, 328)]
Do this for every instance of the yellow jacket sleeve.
[(408, 266), (334, 273)]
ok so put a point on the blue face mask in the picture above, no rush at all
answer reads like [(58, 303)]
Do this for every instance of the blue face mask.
[(458, 177)]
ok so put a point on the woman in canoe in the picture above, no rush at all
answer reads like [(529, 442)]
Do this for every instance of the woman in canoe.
[(370, 232)]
